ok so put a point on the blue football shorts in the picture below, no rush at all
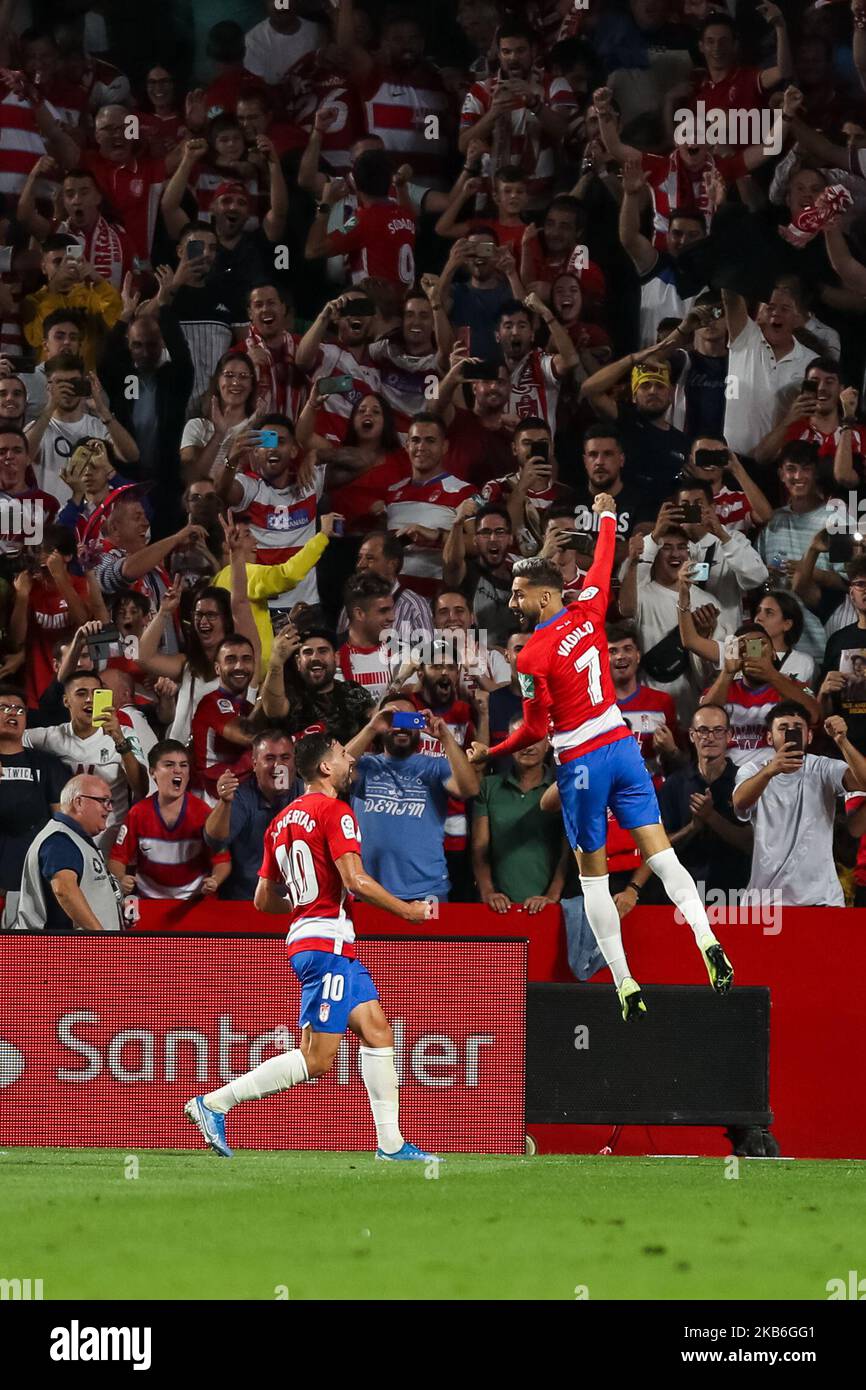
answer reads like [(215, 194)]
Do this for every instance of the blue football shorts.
[(613, 776), (331, 987)]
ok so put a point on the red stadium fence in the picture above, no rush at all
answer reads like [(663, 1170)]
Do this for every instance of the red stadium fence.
[(811, 959), (102, 1040)]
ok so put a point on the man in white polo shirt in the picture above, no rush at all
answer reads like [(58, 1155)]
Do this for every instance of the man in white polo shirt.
[(766, 363)]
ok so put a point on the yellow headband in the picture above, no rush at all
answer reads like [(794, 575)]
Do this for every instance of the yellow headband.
[(641, 376)]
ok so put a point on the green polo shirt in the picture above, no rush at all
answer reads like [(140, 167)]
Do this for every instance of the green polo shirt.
[(525, 842)]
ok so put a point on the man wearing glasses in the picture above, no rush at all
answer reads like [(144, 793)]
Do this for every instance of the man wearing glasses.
[(695, 803), (485, 579), (66, 886), (840, 693), (30, 785)]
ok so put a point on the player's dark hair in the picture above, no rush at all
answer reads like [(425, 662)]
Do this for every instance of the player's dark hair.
[(623, 632), (372, 173), (362, 588), (162, 750), (787, 709), (540, 573), (310, 751)]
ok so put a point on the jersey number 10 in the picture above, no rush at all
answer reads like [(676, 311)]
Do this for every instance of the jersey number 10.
[(299, 872)]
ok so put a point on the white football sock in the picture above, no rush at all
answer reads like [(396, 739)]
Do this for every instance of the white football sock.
[(603, 918), (683, 893), (380, 1078), (276, 1074)]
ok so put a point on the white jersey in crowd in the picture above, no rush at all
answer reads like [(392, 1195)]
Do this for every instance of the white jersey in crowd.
[(96, 756), (59, 442), (765, 384)]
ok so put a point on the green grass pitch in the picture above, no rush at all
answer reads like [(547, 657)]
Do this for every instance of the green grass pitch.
[(341, 1226)]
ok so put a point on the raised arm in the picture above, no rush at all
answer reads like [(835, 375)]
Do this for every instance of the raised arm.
[(637, 247)]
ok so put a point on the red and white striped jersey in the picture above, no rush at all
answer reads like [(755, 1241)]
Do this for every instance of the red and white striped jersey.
[(368, 666), (748, 708), (21, 144), (332, 420), (315, 84), (646, 710), (169, 861), (431, 502), (213, 754), (674, 187), (97, 756), (535, 387), (282, 520), (404, 381), (302, 846), (734, 510), (280, 385), (397, 111), (804, 429), (527, 145)]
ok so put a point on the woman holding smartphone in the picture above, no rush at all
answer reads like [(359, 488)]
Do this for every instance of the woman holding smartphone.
[(228, 408), (360, 471)]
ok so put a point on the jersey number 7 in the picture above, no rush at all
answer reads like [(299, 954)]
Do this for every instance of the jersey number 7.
[(588, 661)]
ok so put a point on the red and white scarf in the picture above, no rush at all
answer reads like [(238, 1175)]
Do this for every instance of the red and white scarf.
[(280, 382), (103, 248)]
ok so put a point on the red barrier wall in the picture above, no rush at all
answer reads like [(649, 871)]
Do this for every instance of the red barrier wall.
[(812, 959)]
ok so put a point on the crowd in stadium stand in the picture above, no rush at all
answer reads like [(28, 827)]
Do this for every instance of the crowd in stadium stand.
[(315, 317)]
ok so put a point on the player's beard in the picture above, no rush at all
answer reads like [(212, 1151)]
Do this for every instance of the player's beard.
[(528, 618)]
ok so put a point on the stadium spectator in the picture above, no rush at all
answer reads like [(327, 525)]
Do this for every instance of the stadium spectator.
[(364, 657), (161, 850), (789, 795), (519, 854), (30, 787), (222, 732), (308, 692), (750, 683), (245, 809), (529, 492), (485, 576), (400, 797), (110, 744), (650, 714), (75, 410), (65, 883), (422, 510), (695, 803), (382, 554), (49, 603), (842, 689)]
